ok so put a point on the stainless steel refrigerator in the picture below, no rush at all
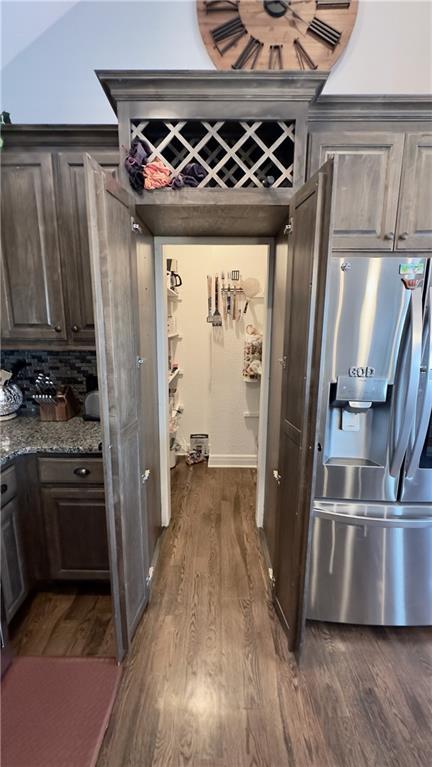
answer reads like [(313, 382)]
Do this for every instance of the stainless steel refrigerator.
[(371, 553)]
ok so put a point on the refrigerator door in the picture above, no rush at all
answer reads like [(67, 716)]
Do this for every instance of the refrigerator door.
[(371, 564), (417, 477), (371, 376)]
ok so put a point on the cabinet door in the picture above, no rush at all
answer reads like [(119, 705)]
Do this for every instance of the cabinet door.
[(72, 210), (13, 571), (367, 186), (32, 301), (414, 229), (76, 533)]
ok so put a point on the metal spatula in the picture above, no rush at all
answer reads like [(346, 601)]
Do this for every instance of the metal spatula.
[(217, 318)]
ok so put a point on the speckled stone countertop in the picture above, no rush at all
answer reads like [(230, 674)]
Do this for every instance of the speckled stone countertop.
[(25, 435)]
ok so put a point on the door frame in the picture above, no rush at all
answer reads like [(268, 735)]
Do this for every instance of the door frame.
[(162, 366)]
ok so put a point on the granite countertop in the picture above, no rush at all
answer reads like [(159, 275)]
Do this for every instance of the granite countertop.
[(25, 435)]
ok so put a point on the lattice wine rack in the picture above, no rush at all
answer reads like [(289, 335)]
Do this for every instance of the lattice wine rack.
[(235, 153)]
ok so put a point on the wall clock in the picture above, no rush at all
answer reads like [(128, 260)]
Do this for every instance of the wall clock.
[(276, 34)]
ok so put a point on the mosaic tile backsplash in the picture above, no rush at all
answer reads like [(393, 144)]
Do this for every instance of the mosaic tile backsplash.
[(70, 367)]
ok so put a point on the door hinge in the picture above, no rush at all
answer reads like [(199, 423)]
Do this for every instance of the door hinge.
[(283, 362), (135, 227), (145, 476), (149, 577), (140, 361), (277, 476), (289, 227)]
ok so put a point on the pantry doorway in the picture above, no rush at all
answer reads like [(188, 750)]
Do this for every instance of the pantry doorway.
[(213, 341)]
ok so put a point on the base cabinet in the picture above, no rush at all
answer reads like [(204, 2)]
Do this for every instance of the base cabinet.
[(13, 568), (76, 534)]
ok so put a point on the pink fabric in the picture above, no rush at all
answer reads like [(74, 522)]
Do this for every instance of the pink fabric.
[(156, 175), (55, 710)]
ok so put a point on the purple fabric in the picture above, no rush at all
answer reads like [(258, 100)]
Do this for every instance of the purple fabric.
[(192, 174), (135, 160)]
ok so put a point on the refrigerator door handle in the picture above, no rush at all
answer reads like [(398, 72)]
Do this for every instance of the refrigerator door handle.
[(415, 350), (362, 520), (426, 404)]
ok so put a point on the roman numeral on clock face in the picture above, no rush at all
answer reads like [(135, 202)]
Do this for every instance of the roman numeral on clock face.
[(324, 32), (251, 51), (275, 57), (332, 4), (221, 6), (230, 31), (303, 57)]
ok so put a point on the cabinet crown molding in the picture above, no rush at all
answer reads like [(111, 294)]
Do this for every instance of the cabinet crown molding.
[(60, 136), (179, 85), (368, 108)]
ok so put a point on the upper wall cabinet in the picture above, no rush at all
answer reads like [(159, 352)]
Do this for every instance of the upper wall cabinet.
[(47, 290), (384, 192), (74, 240), (32, 301), (414, 225), (368, 178)]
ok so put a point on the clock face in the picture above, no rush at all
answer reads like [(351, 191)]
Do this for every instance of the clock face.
[(276, 34)]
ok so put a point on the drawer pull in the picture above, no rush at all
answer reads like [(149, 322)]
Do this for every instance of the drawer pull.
[(82, 472), (4, 488)]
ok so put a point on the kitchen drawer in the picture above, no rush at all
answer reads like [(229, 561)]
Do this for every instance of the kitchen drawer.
[(87, 471), (8, 485)]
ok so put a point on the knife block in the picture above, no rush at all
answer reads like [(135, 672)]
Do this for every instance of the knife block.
[(66, 406)]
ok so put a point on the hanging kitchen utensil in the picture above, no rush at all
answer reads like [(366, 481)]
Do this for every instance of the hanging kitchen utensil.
[(217, 318), (229, 301), (234, 302), (235, 275), (239, 303), (209, 298), (251, 288), (224, 297)]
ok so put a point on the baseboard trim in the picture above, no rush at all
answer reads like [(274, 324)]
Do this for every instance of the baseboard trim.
[(232, 461)]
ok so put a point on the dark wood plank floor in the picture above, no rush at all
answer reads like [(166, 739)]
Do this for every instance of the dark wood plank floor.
[(210, 682), (65, 621)]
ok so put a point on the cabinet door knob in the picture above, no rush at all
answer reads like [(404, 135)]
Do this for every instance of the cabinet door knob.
[(75, 328), (4, 488), (404, 236), (57, 328), (389, 236), (81, 471)]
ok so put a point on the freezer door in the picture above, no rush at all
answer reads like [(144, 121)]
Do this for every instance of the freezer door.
[(417, 477), (371, 564)]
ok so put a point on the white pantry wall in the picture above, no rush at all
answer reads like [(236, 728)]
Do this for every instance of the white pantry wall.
[(51, 49), (216, 400)]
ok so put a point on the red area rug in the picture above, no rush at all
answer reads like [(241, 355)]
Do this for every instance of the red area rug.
[(55, 710)]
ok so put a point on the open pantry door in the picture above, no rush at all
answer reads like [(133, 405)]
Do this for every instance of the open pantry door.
[(122, 355), (308, 241)]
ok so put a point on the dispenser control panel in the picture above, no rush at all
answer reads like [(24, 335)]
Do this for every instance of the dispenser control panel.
[(358, 389)]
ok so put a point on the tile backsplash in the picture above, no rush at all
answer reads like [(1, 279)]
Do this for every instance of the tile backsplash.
[(69, 367)]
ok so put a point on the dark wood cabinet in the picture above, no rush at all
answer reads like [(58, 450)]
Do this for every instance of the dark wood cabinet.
[(46, 286), (75, 242), (76, 532), (13, 567), (414, 226), (32, 300), (368, 180)]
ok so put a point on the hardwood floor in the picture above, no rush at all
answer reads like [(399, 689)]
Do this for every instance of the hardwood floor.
[(65, 621), (210, 682)]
